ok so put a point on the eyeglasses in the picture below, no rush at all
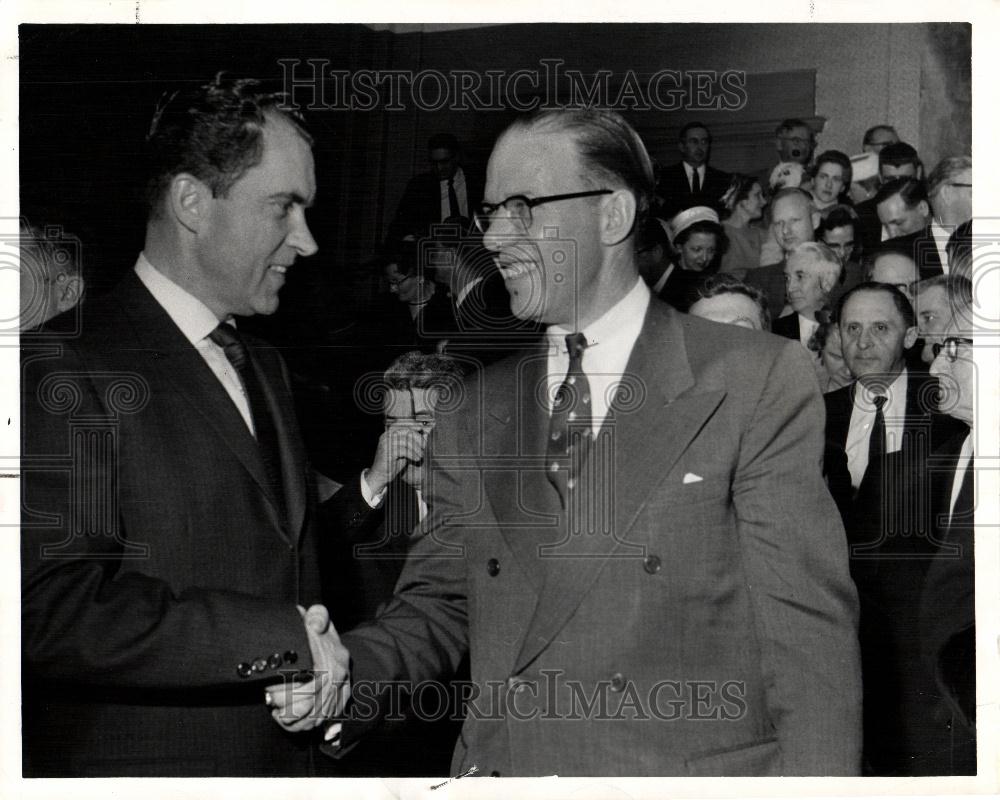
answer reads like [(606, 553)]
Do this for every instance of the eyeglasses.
[(795, 139), (519, 207), (950, 347)]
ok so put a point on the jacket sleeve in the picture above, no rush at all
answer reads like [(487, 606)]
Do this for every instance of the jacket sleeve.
[(93, 613), (795, 555)]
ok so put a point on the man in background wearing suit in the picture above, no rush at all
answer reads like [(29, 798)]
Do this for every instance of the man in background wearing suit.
[(376, 522), (880, 430), (446, 193), (626, 513), (948, 602), (163, 559), (812, 271), (692, 181)]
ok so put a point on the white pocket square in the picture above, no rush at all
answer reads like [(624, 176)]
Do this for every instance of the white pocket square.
[(692, 478)]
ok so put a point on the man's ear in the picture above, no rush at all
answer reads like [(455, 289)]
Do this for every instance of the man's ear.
[(924, 208), (817, 218), (618, 212), (70, 292), (910, 337), (188, 201)]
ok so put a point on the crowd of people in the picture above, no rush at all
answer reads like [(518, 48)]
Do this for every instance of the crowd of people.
[(675, 476)]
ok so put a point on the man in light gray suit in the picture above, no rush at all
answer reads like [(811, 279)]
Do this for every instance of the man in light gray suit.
[(630, 535)]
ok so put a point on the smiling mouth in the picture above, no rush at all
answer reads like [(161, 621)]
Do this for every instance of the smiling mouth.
[(513, 271)]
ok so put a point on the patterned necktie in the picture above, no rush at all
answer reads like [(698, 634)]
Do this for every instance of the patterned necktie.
[(570, 425), (453, 209), (226, 336)]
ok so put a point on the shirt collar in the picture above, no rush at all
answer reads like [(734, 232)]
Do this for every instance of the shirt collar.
[(895, 392), (458, 176), (621, 321), (192, 316)]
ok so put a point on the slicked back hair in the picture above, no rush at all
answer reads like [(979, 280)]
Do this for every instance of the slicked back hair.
[(609, 148), (214, 132), (899, 300)]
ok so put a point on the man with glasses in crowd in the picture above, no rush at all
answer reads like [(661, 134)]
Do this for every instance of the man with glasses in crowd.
[(626, 517), (948, 628)]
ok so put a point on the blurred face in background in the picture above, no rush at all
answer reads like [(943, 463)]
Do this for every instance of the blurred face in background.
[(896, 270), (753, 203), (841, 241), (697, 251), (695, 146), (832, 357), (874, 336), (792, 222), (828, 183), (795, 144)]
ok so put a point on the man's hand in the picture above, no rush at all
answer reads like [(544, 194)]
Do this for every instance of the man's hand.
[(398, 446), (301, 706)]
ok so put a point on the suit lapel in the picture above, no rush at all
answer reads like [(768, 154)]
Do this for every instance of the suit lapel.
[(647, 434), (172, 355)]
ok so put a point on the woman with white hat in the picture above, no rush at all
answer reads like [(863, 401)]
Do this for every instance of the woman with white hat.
[(697, 240)]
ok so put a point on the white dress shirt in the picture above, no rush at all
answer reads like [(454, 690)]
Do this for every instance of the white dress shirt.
[(862, 419), (458, 181), (610, 340), (689, 171), (807, 327), (964, 459), (196, 322), (941, 236)]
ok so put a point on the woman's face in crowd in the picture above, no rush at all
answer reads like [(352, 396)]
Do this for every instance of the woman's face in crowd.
[(698, 251)]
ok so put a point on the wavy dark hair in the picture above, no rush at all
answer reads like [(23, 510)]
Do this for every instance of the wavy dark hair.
[(214, 132)]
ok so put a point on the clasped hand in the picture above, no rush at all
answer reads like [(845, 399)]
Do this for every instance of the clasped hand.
[(302, 705)]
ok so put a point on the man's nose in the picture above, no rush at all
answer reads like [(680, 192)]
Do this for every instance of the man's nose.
[(300, 236), (501, 227)]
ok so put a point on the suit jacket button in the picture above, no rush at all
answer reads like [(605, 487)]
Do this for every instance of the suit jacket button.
[(617, 682), (291, 656), (651, 564), (244, 670), (274, 661), (259, 664), (492, 567)]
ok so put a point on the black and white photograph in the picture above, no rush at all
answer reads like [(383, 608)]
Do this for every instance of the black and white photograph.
[(416, 405)]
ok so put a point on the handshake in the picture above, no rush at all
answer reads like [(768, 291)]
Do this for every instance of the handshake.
[(303, 705)]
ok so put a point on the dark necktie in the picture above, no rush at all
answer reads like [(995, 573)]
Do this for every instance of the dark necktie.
[(226, 336), (453, 209), (695, 182), (570, 424)]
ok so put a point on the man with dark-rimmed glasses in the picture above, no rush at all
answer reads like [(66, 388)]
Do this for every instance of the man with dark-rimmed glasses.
[(631, 513)]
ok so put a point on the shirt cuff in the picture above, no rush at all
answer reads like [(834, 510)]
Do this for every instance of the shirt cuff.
[(371, 498)]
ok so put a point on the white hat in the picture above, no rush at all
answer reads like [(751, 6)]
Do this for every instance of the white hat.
[(787, 174), (688, 217), (864, 166)]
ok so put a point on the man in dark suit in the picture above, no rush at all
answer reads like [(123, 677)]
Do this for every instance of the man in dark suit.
[(947, 609), (904, 209), (879, 431), (163, 558), (626, 513), (446, 194), (895, 160), (692, 181)]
